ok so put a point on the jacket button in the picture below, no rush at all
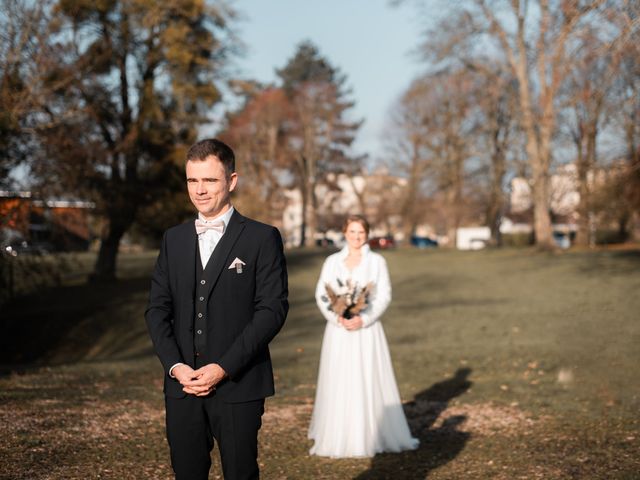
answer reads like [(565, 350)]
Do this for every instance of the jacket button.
[(202, 299), (199, 332), (199, 315), (203, 282)]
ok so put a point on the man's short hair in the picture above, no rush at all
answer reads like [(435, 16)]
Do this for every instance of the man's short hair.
[(208, 147)]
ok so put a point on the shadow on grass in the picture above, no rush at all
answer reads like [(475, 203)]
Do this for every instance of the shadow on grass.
[(622, 262), (438, 445), (90, 321), (67, 324)]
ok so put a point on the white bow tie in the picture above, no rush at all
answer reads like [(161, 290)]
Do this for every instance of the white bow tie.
[(202, 226)]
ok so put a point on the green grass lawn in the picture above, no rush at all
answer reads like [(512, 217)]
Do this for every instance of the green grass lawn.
[(512, 364)]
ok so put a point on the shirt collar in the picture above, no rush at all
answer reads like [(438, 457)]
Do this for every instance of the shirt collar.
[(225, 217)]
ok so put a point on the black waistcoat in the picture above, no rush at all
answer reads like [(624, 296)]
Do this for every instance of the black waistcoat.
[(203, 280)]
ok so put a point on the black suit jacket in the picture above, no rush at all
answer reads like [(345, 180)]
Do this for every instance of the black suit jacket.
[(244, 310)]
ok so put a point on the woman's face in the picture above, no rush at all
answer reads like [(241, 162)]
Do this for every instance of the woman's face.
[(355, 235)]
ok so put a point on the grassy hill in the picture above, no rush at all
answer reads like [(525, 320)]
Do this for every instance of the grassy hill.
[(512, 364)]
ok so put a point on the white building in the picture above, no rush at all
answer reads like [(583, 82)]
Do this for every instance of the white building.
[(563, 192), (472, 238), (340, 195)]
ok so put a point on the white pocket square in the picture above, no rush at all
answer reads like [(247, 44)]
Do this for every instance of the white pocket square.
[(237, 264)]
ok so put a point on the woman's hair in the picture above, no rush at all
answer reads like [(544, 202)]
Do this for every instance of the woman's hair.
[(358, 219)]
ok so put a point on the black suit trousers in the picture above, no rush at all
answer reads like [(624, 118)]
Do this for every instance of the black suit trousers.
[(193, 423)]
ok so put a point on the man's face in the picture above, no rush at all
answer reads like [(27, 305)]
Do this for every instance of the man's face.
[(209, 187)]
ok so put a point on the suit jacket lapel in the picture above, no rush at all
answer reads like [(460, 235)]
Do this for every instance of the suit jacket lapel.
[(221, 253), (187, 268)]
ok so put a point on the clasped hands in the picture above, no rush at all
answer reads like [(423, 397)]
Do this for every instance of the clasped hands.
[(351, 324), (200, 382)]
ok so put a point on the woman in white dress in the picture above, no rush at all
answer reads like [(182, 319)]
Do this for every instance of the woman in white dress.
[(357, 410)]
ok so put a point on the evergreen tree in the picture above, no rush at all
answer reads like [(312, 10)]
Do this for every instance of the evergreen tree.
[(320, 134)]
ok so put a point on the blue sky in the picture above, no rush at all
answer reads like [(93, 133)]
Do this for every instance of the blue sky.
[(368, 40)]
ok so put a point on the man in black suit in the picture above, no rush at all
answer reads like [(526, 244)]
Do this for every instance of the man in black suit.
[(218, 296)]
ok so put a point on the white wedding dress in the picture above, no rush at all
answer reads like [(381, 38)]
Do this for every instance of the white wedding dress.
[(357, 410)]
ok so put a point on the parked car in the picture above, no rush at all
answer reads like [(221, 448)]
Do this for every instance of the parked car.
[(11, 241), (26, 248), (423, 242), (324, 242), (563, 240), (381, 243), (14, 244)]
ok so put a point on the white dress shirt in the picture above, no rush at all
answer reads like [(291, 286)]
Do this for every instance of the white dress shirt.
[(207, 242)]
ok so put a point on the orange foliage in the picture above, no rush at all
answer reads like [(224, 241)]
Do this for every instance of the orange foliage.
[(14, 213)]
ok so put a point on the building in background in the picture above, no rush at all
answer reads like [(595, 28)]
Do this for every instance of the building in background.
[(377, 196), (45, 225), (381, 198), (563, 203)]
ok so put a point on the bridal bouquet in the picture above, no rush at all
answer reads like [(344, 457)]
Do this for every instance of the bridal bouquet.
[(348, 300)]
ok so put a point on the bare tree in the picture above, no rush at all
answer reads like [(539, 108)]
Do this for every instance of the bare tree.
[(321, 133), (495, 98), (545, 34), (627, 118), (433, 131), (408, 149), (382, 200), (258, 132), (591, 102), (537, 39), (587, 88)]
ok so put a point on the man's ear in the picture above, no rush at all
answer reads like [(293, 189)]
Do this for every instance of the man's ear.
[(233, 181)]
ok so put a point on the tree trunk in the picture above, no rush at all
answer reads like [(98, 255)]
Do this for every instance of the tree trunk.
[(493, 217), (121, 215), (541, 215), (306, 164), (540, 163), (105, 266), (586, 160), (408, 211), (496, 195), (310, 213), (582, 235), (537, 147), (452, 222), (303, 225), (538, 152), (623, 227)]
